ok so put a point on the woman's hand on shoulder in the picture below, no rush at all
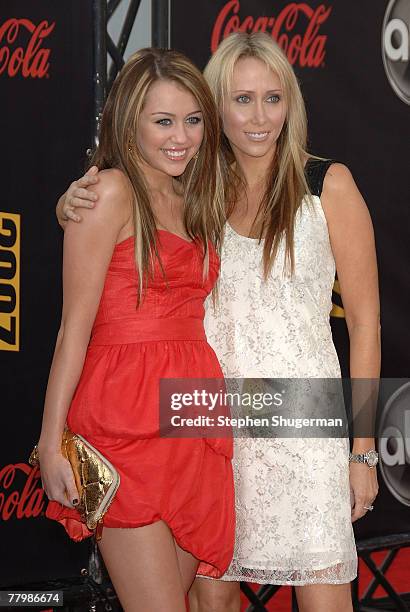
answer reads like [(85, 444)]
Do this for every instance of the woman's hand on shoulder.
[(79, 195), (114, 205)]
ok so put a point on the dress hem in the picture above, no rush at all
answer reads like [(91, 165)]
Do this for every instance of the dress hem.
[(182, 543), (236, 577), (224, 578)]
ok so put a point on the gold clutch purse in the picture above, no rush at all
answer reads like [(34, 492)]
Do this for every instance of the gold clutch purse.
[(95, 477)]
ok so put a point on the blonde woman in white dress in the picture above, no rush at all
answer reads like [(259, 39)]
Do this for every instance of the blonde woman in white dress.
[(280, 253)]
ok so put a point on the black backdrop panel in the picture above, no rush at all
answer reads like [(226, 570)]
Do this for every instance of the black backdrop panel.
[(356, 116), (46, 112)]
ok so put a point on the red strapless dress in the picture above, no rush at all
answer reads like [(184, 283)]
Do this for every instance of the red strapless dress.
[(185, 482)]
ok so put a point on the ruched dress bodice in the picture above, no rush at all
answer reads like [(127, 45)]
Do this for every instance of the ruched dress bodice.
[(173, 304)]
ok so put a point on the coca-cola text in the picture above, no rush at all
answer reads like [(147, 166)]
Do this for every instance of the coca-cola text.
[(30, 60), (25, 502), (306, 50)]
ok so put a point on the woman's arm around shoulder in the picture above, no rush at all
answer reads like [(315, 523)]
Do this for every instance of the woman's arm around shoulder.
[(80, 193)]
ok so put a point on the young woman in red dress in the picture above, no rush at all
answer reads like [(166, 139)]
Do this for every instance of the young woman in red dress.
[(135, 276)]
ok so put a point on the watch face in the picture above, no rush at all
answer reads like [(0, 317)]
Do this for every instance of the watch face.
[(372, 458)]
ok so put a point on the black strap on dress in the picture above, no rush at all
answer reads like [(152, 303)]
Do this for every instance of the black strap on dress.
[(315, 171)]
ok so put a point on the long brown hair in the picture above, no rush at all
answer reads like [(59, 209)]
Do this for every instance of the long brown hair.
[(286, 183), (203, 215)]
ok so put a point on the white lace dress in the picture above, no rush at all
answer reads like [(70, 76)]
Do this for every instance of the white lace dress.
[(292, 495)]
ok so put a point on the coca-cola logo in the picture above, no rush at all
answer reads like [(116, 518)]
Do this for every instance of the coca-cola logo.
[(307, 49), (26, 501), (395, 47), (30, 58)]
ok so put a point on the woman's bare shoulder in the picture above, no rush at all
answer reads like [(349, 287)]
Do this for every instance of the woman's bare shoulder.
[(114, 193), (113, 181), (338, 178)]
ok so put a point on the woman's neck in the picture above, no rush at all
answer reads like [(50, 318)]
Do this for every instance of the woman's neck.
[(255, 170), (157, 181)]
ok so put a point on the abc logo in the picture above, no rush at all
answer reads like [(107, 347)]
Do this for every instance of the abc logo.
[(395, 47), (394, 446)]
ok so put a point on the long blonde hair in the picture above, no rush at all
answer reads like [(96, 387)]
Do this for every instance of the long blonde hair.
[(203, 217), (286, 183)]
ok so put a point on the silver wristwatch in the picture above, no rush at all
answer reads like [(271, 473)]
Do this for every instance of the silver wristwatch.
[(371, 457)]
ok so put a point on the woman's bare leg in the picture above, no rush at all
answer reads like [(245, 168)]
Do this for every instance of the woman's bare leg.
[(214, 596), (324, 598), (143, 566), (188, 564), (218, 596)]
